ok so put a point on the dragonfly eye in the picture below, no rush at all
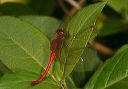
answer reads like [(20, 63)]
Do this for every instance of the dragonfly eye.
[(61, 32)]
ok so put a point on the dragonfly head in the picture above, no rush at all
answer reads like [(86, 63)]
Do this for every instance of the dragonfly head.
[(61, 33)]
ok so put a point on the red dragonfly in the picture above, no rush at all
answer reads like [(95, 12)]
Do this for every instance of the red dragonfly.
[(56, 45)]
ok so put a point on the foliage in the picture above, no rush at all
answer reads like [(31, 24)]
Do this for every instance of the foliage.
[(25, 36)]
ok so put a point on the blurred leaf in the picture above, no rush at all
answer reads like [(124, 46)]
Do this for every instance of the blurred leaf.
[(15, 1), (1, 74), (113, 74), (15, 9), (85, 67), (120, 6), (44, 7), (110, 26), (47, 25), (22, 80), (80, 32)]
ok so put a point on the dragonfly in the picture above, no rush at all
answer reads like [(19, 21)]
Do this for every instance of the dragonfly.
[(56, 45)]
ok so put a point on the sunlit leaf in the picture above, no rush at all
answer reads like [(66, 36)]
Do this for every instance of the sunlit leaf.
[(113, 74), (80, 29)]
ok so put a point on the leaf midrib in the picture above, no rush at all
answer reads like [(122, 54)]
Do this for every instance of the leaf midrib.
[(79, 29), (20, 46), (81, 26)]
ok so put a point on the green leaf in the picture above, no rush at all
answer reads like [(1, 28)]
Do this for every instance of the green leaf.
[(23, 47), (47, 25), (15, 9), (113, 74), (80, 32), (22, 80), (4, 69), (120, 6), (85, 67), (44, 7)]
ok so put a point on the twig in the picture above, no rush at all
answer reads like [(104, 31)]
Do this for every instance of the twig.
[(101, 48), (74, 9), (74, 4), (61, 4)]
